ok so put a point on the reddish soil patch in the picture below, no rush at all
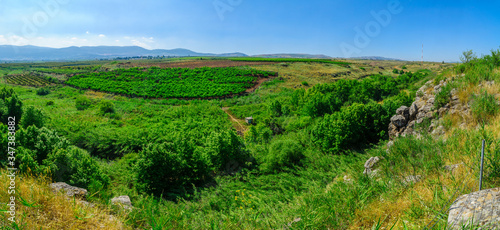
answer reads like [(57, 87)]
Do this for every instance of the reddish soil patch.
[(195, 64)]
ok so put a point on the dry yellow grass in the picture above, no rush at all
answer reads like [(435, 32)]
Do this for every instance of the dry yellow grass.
[(43, 209)]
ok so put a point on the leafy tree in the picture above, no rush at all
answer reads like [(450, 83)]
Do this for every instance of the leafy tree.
[(33, 116), (14, 108), (226, 150), (170, 169), (275, 108), (468, 56)]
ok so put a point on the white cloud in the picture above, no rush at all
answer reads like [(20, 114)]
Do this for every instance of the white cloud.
[(102, 35)]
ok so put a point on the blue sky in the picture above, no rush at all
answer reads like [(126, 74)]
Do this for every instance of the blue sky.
[(338, 28)]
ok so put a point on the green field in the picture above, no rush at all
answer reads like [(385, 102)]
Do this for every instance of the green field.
[(172, 82)]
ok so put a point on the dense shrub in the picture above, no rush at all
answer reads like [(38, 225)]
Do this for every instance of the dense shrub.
[(42, 151), (172, 168), (33, 116), (106, 107), (82, 103), (351, 127), (484, 106), (282, 153), (75, 166), (42, 91), (227, 151), (443, 97)]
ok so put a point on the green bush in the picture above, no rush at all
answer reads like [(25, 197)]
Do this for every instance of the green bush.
[(275, 108), (305, 83), (227, 151), (42, 91), (282, 153), (443, 97), (33, 116), (76, 167), (82, 103), (484, 106), (106, 107), (171, 169), (49, 103), (351, 127)]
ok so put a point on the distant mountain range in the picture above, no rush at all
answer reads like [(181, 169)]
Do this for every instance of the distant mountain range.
[(35, 53), (376, 58), (10, 53), (317, 56)]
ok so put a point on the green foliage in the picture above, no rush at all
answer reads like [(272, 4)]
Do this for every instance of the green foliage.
[(172, 82), (43, 91), (443, 97), (76, 167), (276, 108), (282, 153), (468, 56), (484, 106), (14, 108), (351, 127), (41, 141), (305, 83), (49, 103), (227, 151), (82, 103), (259, 134), (33, 116), (396, 71), (170, 169), (106, 107)]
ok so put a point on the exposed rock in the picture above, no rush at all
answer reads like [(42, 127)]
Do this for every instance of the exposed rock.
[(398, 120), (389, 146), (372, 162), (412, 179), (438, 131), (393, 130), (347, 179), (69, 190), (123, 201), (478, 209), (404, 111), (413, 111)]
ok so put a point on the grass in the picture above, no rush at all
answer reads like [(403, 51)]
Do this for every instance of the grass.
[(38, 207)]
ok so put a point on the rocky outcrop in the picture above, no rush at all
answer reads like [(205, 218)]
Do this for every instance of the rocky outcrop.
[(69, 190), (370, 166), (423, 108), (476, 209), (123, 201)]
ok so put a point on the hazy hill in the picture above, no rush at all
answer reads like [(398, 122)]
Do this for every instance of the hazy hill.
[(35, 53), (318, 56)]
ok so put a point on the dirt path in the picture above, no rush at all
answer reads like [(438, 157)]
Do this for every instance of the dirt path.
[(241, 129)]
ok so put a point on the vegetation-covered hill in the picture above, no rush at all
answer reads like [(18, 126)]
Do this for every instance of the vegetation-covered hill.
[(299, 165)]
